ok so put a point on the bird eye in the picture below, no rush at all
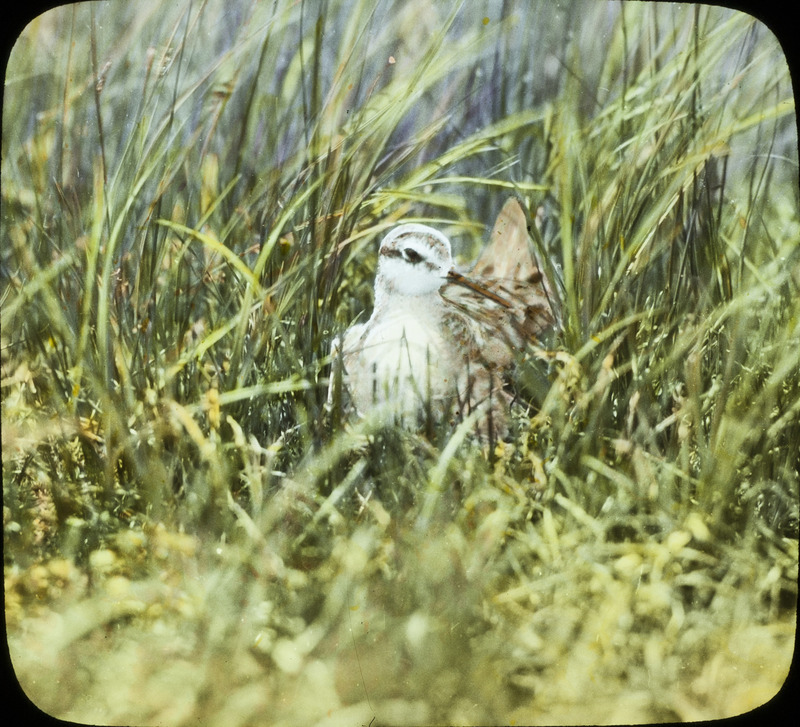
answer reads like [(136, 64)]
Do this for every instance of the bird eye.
[(411, 255)]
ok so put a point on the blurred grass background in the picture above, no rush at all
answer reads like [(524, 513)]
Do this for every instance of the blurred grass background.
[(192, 197)]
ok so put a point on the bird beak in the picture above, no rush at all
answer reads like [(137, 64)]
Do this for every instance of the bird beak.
[(459, 279)]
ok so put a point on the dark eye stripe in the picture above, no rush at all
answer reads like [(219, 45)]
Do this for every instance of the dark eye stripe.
[(434, 242), (412, 255)]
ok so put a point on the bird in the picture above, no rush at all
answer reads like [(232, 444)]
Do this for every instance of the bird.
[(441, 344)]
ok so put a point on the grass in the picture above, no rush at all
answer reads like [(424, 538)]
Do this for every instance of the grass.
[(191, 212)]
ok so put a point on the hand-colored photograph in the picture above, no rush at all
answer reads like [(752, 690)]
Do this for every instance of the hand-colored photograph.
[(396, 362)]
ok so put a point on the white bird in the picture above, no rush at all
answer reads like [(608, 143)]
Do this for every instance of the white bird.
[(438, 343)]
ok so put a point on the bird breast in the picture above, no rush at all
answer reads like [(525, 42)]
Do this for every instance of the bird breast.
[(401, 357)]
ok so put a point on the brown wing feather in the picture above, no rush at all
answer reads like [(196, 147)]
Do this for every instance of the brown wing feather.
[(506, 296), (513, 314), (507, 255)]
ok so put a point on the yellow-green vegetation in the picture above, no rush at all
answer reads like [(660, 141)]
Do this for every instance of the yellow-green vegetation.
[(192, 196)]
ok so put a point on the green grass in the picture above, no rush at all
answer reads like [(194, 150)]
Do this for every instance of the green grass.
[(191, 211)]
